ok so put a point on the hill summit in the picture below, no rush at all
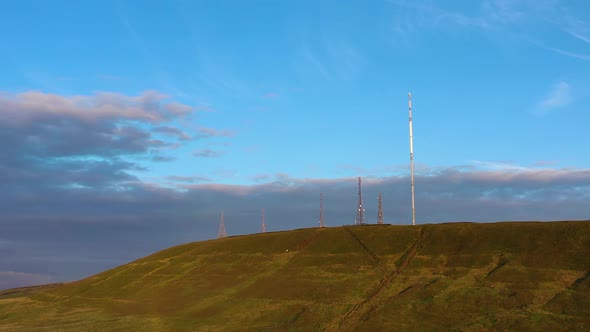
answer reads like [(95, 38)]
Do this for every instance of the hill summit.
[(455, 276)]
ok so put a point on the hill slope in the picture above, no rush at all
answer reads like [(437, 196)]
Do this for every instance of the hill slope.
[(456, 276)]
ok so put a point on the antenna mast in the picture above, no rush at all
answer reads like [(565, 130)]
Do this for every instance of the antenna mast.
[(322, 210), (412, 159), (360, 213), (222, 232), (380, 211), (263, 223)]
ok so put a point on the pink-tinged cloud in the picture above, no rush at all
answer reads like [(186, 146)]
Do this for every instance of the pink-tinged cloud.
[(178, 109), (106, 124), (90, 142), (188, 179), (277, 183), (150, 107), (459, 178), (539, 176), (232, 189)]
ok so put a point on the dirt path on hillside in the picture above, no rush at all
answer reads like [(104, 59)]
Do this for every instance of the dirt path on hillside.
[(368, 251), (362, 311)]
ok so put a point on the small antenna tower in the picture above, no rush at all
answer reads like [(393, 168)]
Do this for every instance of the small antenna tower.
[(412, 158), (380, 211), (263, 223), (222, 232), (322, 210), (360, 213)]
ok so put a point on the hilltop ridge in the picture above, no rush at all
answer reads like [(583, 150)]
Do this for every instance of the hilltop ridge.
[(453, 276)]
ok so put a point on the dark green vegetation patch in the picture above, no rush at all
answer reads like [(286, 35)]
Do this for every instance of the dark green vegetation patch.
[(456, 277)]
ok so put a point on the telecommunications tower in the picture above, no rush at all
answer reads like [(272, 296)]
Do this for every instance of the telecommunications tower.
[(263, 223), (221, 234), (412, 158), (380, 211), (360, 213), (322, 210)]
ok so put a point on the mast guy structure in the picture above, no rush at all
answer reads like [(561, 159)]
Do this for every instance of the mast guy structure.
[(412, 158), (221, 234), (380, 211), (360, 213), (322, 210), (263, 223)]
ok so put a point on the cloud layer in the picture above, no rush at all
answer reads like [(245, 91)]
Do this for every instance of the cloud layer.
[(68, 233)]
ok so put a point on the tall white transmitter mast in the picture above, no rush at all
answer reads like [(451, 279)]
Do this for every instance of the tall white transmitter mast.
[(412, 158)]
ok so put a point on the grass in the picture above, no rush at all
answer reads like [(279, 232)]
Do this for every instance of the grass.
[(454, 277)]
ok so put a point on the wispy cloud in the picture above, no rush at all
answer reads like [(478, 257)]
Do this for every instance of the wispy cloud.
[(205, 132), (585, 57), (508, 16), (172, 131), (545, 163), (160, 159), (314, 60), (420, 14), (558, 97), (578, 28), (580, 37), (219, 143), (490, 14), (261, 178), (347, 60), (207, 153), (333, 58)]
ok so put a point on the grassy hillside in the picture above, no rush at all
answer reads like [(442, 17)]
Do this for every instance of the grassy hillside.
[(456, 276)]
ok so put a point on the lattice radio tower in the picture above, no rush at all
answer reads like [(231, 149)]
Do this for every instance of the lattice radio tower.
[(360, 213), (412, 158), (322, 210), (263, 223), (221, 234), (380, 211)]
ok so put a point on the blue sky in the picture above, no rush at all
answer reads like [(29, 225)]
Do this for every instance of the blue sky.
[(318, 89), (129, 125)]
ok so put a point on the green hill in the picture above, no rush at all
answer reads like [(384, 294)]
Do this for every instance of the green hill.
[(455, 276)]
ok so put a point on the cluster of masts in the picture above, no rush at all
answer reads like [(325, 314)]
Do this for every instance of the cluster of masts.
[(360, 210), (223, 233), (359, 220), (360, 213)]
